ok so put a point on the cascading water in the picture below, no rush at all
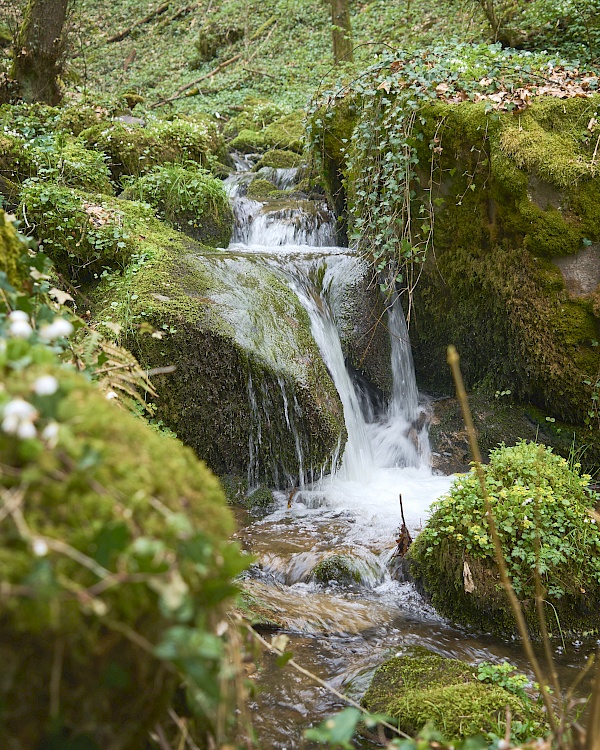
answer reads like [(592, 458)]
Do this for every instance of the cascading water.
[(340, 627)]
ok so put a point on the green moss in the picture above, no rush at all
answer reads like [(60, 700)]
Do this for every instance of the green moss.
[(286, 133), (264, 190), (82, 233), (132, 150), (338, 568), (248, 142), (116, 494), (533, 494), (422, 688), (57, 159), (228, 325), (190, 199), (279, 159), (256, 114), (11, 250)]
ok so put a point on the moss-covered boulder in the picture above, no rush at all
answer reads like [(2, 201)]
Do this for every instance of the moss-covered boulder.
[(278, 158), (286, 133), (541, 508), (421, 687), (336, 568), (82, 233), (190, 199), (114, 564), (133, 149), (11, 249), (264, 190), (250, 392), (505, 233), (59, 159)]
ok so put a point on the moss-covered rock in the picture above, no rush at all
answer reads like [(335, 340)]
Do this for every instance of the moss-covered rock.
[(264, 190), (278, 158), (336, 568), (190, 199), (59, 159), (82, 233), (120, 535), (248, 373), (541, 510), (287, 132), (421, 687), (11, 250), (132, 149), (511, 196)]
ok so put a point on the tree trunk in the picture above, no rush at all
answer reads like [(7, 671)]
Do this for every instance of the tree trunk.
[(341, 30), (37, 62)]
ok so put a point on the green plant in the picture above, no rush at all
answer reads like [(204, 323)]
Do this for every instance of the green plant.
[(541, 507), (82, 233), (189, 198), (507, 676)]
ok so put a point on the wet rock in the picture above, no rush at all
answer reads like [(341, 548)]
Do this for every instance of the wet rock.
[(250, 392)]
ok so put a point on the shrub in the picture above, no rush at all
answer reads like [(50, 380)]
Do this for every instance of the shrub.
[(541, 508), (190, 199)]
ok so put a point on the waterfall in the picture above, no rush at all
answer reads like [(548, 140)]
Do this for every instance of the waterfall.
[(296, 241)]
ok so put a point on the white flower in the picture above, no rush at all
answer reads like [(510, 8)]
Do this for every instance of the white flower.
[(50, 433), (110, 395), (19, 416), (58, 329), (20, 329), (45, 385), (26, 431), (18, 315), (40, 548)]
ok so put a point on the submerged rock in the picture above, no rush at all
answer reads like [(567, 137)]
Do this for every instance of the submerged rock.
[(420, 687)]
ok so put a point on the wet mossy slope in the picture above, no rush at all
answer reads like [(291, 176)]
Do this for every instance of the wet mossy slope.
[(249, 392)]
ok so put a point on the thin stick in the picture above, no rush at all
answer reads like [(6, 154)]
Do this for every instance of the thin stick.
[(402, 510), (453, 361), (314, 677)]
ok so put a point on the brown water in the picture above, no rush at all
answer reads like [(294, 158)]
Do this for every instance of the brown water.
[(342, 633)]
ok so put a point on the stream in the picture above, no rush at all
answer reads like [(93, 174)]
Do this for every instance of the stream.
[(341, 629)]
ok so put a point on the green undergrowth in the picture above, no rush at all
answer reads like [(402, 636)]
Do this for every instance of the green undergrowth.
[(133, 149), (541, 509), (289, 56), (421, 688), (82, 233), (189, 199)]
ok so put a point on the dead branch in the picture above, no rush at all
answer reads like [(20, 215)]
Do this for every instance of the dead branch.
[(181, 91), (122, 34)]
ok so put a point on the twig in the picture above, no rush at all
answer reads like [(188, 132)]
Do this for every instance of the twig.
[(182, 89), (453, 361), (259, 72), (122, 34)]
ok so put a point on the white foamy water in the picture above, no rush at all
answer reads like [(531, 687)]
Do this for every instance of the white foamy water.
[(385, 454)]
